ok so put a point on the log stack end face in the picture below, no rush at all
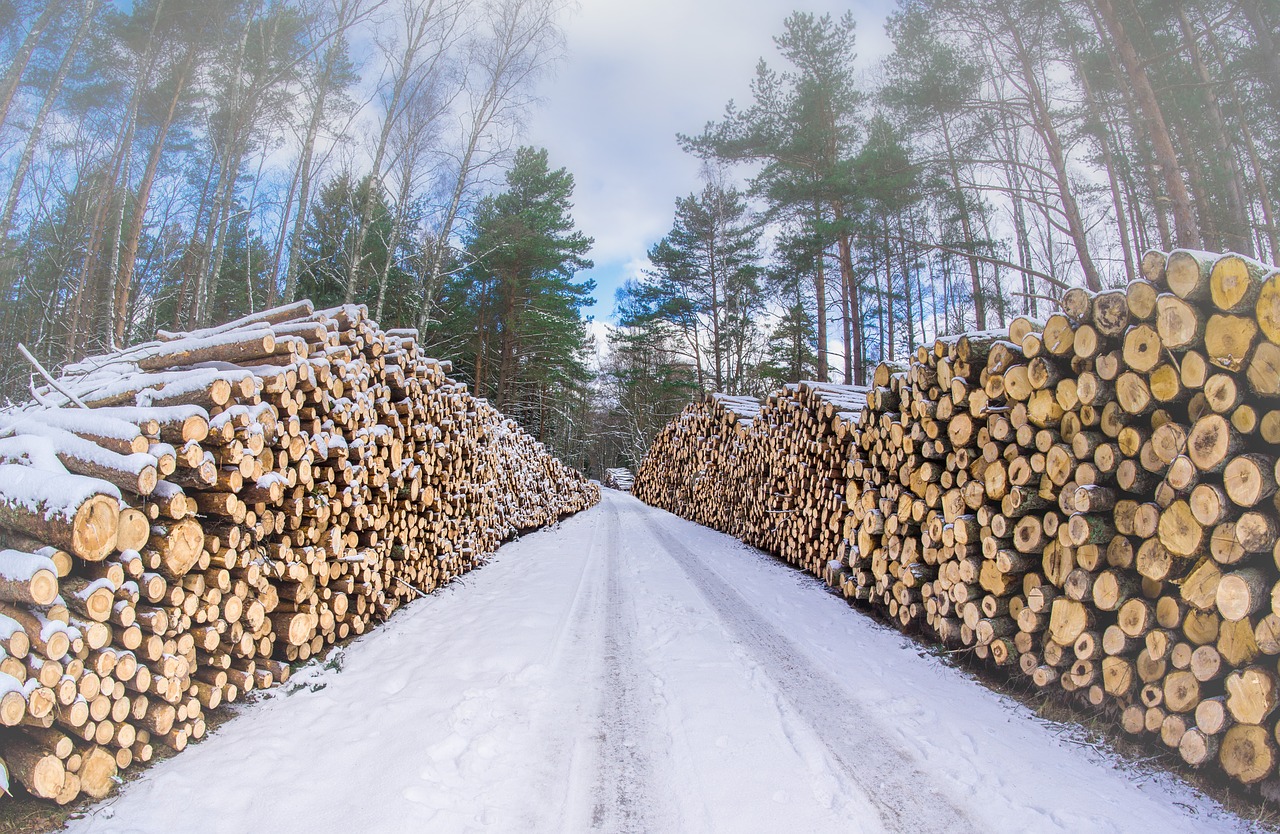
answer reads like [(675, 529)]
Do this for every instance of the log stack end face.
[(1090, 501), (234, 500)]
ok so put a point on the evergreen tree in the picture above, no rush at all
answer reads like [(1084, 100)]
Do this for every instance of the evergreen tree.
[(802, 127), (513, 316), (328, 249), (705, 283)]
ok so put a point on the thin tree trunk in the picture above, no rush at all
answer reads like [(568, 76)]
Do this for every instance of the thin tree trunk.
[(37, 126), (820, 299), (120, 276), (1199, 188), (13, 75), (440, 244), (1187, 229), (1270, 218), (419, 30), (962, 203), (908, 306), (210, 253), (1108, 162), (1265, 39), (1043, 124), (890, 321), (715, 312), (844, 250), (397, 223), (1236, 235)]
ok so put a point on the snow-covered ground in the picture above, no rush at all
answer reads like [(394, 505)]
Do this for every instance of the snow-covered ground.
[(630, 671)]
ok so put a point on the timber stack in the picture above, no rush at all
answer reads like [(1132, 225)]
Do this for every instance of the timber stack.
[(181, 520), (697, 466), (771, 474), (797, 456), (1090, 501), (619, 478)]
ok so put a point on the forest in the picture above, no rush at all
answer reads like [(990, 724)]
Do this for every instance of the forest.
[(169, 164)]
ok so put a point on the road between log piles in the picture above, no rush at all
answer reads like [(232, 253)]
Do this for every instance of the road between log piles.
[(631, 671)]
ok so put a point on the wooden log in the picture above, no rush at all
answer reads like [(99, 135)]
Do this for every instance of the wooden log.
[(27, 578), (1187, 273), (78, 514), (37, 769), (1247, 753)]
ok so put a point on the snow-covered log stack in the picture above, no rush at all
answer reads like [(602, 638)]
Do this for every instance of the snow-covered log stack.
[(229, 501), (619, 478), (927, 453), (797, 457), (697, 467), (771, 475), (1090, 501)]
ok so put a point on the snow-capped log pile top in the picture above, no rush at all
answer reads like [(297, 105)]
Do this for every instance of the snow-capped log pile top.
[(232, 500), (619, 478), (738, 409), (690, 468), (1090, 500)]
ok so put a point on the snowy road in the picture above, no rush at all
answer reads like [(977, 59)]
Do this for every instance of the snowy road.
[(632, 672)]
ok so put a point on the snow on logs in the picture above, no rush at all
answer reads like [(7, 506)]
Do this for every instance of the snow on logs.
[(620, 479), (234, 500), (1090, 501), (771, 474)]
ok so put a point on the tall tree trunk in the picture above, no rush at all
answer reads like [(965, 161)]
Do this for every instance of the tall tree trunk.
[(189, 286), (1108, 162), (300, 218), (889, 320), (844, 250), (481, 346), (1042, 122), (507, 347), (13, 74), (420, 29), (962, 203), (715, 314), (227, 163), (397, 224), (1267, 46), (121, 272), (1022, 239), (1187, 229), (1270, 217), (1236, 235), (846, 320), (881, 327), (37, 126), (440, 241), (820, 300), (1197, 185), (908, 307)]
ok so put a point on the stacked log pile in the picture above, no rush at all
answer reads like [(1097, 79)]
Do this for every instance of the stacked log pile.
[(1091, 502), (208, 507), (797, 453), (619, 478), (697, 466), (919, 468), (771, 474)]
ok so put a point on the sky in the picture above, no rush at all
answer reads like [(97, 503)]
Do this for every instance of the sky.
[(637, 72)]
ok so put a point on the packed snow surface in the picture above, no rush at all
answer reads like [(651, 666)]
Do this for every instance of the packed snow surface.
[(630, 671)]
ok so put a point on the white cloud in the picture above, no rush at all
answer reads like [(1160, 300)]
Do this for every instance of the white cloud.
[(638, 73)]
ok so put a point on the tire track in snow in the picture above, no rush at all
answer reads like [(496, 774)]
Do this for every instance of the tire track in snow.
[(624, 798), (902, 793)]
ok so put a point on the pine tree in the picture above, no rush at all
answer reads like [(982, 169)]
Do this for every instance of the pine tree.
[(514, 315)]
